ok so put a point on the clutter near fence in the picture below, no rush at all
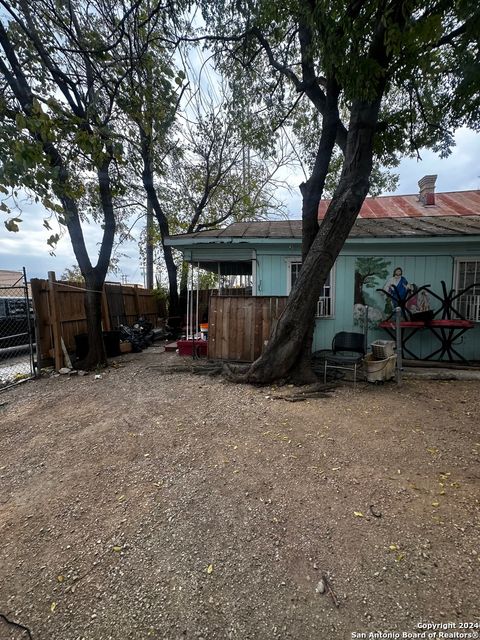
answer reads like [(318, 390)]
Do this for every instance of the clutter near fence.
[(60, 313)]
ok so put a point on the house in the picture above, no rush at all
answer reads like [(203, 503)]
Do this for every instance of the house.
[(433, 238)]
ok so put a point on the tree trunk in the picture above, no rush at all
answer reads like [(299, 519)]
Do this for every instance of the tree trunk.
[(173, 306), (94, 276), (182, 303), (147, 179), (96, 356), (291, 334), (173, 302), (312, 191)]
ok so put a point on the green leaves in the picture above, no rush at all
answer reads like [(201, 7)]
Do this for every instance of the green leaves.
[(12, 224), (49, 204), (53, 239), (179, 78)]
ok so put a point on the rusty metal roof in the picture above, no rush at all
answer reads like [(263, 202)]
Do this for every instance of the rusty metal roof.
[(455, 203), (402, 227), (273, 229)]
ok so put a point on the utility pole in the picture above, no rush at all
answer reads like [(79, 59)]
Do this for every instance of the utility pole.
[(149, 248)]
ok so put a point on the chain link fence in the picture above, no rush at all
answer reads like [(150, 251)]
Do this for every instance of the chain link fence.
[(16, 333)]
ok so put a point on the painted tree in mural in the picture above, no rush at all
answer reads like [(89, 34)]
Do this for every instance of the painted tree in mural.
[(382, 77), (368, 271)]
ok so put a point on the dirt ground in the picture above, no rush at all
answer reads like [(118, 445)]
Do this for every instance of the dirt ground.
[(154, 505)]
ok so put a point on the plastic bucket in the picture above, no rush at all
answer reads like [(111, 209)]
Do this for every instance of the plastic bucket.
[(379, 370), (382, 349)]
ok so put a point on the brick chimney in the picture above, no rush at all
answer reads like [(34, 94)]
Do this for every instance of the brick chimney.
[(427, 190)]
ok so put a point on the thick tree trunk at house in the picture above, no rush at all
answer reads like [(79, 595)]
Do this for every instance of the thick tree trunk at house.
[(302, 371), (285, 352), (312, 191)]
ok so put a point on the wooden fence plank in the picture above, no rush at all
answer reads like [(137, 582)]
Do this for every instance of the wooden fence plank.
[(212, 328), (42, 329), (105, 315), (249, 340), (225, 328), (60, 312), (239, 326), (55, 320)]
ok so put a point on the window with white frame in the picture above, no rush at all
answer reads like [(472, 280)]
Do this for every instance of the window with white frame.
[(325, 304), (467, 276)]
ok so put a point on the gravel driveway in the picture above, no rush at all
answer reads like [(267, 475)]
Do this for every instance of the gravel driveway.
[(148, 504)]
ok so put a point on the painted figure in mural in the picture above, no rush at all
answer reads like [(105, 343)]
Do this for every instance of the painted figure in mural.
[(397, 287), (418, 301)]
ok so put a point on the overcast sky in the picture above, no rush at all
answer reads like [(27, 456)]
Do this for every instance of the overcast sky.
[(28, 247)]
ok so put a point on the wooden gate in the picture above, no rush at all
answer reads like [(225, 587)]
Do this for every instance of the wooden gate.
[(239, 327)]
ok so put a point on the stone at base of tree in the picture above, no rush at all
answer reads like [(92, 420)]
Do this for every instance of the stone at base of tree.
[(82, 373), (64, 370)]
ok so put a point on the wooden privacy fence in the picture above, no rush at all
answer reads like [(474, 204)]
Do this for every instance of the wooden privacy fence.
[(204, 296), (60, 313), (239, 327)]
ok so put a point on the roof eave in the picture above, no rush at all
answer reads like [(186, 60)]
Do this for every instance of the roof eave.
[(187, 242), (184, 243)]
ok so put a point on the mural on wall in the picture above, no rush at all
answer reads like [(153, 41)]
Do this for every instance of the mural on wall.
[(398, 288), (414, 300), (370, 272)]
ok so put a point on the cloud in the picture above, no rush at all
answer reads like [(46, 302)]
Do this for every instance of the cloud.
[(28, 247), (459, 172)]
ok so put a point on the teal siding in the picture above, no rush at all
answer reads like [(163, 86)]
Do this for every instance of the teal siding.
[(272, 267), (421, 263), (423, 260)]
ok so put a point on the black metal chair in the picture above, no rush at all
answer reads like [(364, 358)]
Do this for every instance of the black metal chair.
[(347, 353)]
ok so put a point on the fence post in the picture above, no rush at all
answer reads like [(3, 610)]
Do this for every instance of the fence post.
[(39, 326), (398, 336), (54, 321), (137, 304)]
